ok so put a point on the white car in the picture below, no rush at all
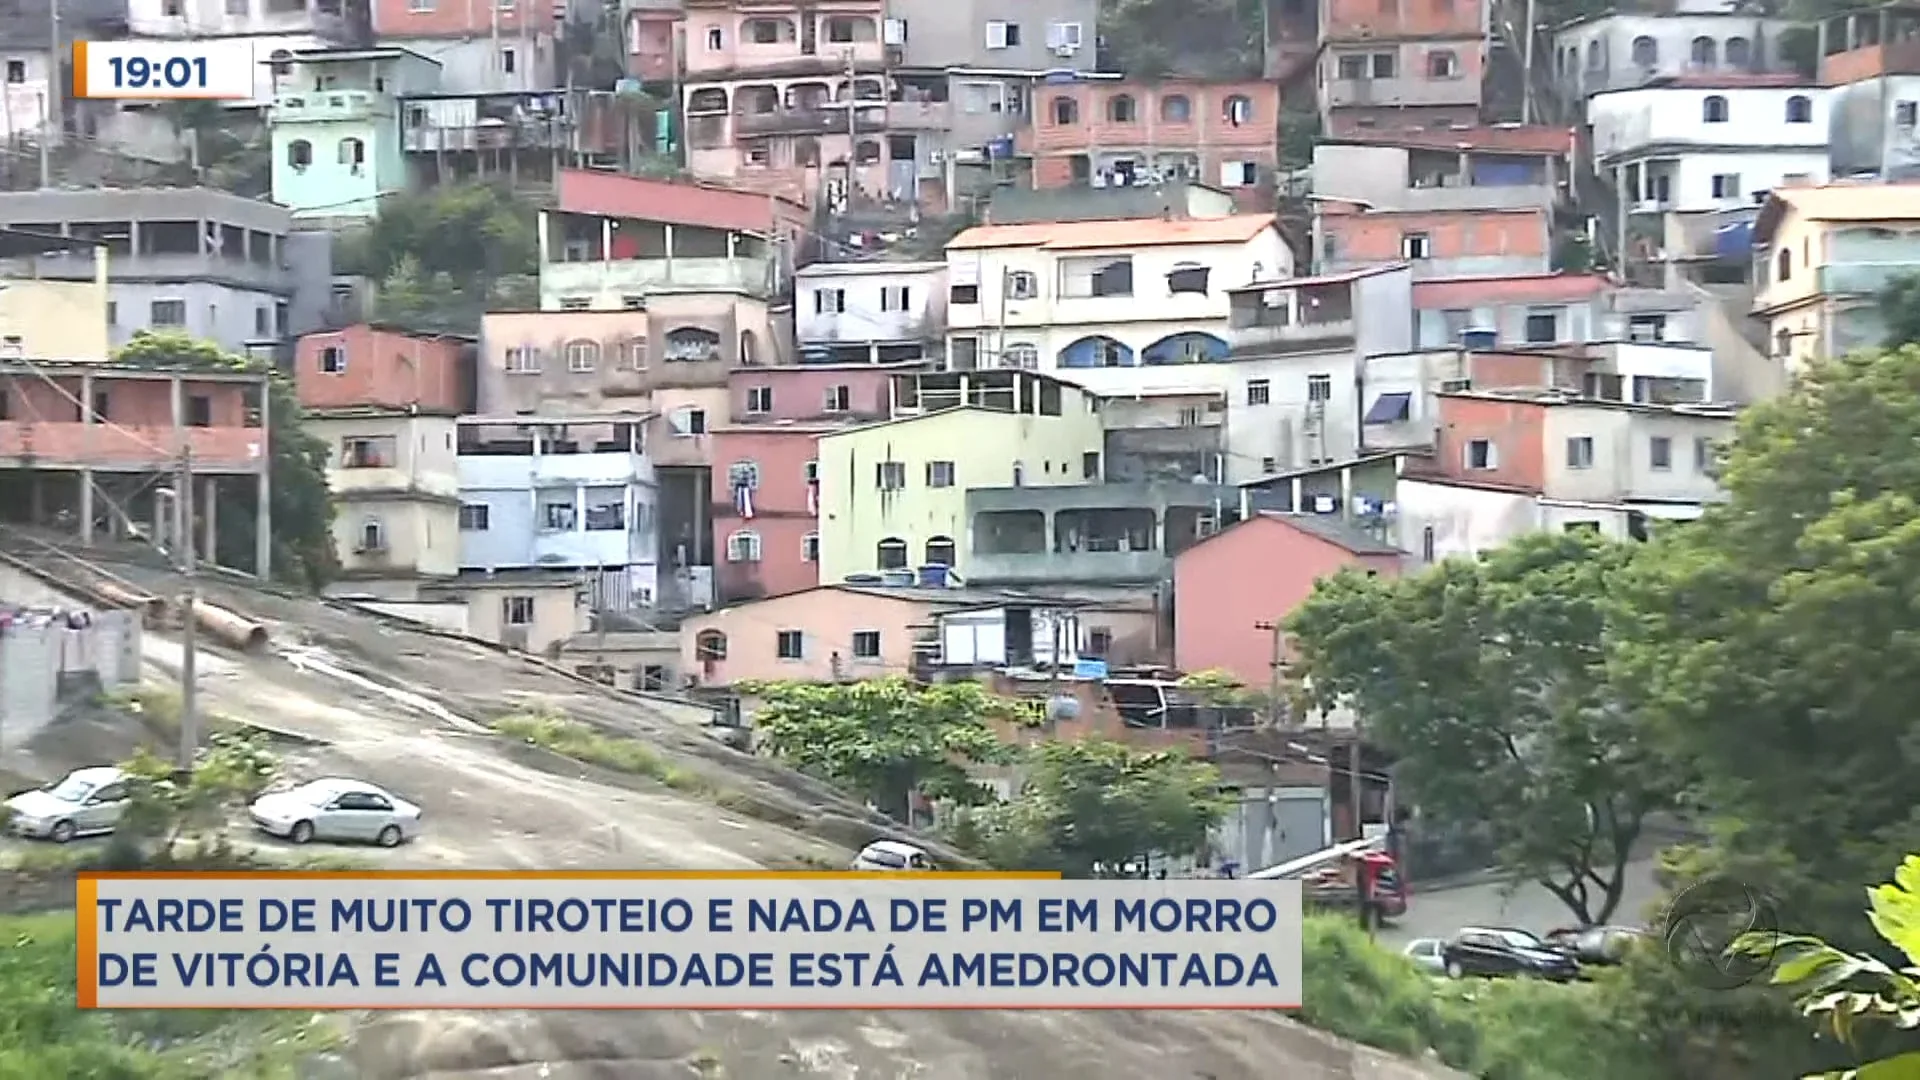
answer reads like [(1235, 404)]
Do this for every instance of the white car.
[(88, 802), (337, 809), (1428, 954), (891, 855)]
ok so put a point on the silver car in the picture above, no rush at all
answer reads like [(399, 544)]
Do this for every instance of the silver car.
[(88, 802), (337, 809), (1427, 954)]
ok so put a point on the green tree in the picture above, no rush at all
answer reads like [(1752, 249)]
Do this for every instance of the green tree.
[(885, 740), (301, 504), (440, 254), (1095, 802), (1488, 677), (1148, 39), (1775, 647), (165, 807), (1899, 305), (1846, 991)]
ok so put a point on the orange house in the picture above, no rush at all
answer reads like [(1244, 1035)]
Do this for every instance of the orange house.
[(1438, 243), (368, 366), (1216, 133)]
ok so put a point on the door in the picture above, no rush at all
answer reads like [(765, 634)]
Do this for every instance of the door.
[(355, 815), (1299, 826), (102, 809)]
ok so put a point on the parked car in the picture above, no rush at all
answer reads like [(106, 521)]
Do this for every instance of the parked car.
[(337, 809), (86, 802), (1595, 946), (1426, 954), (891, 855), (1482, 951)]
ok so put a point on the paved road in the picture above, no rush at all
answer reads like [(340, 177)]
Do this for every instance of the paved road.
[(1440, 912)]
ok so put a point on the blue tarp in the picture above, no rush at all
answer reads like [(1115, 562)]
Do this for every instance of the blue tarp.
[(1734, 241)]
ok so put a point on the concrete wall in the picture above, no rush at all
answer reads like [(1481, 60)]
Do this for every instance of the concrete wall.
[(37, 657)]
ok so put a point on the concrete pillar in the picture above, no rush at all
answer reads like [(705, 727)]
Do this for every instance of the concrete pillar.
[(178, 399), (208, 498), (263, 511), (86, 507)]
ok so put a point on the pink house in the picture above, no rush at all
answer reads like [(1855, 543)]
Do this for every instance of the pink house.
[(1259, 571), (765, 488), (816, 635)]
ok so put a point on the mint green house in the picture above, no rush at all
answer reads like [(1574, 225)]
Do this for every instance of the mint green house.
[(336, 129)]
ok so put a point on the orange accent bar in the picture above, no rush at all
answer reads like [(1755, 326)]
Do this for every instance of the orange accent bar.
[(80, 71), (86, 910)]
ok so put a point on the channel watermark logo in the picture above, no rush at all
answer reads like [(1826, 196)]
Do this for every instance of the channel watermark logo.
[(1706, 918)]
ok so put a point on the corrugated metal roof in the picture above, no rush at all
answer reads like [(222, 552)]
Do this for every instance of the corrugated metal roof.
[(1137, 232)]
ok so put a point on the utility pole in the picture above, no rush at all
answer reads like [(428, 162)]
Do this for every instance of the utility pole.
[(1277, 667), (189, 602), (52, 123), (1526, 68), (853, 127)]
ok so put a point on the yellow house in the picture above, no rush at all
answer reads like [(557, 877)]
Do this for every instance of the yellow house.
[(893, 494), (396, 490), (54, 302), (1822, 255)]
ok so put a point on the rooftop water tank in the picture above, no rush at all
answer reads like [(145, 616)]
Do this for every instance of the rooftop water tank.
[(933, 576)]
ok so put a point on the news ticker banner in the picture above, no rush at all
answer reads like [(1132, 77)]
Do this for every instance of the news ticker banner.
[(729, 941), (214, 70)]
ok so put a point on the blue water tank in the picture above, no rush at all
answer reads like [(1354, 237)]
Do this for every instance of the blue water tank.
[(933, 576), (1479, 339)]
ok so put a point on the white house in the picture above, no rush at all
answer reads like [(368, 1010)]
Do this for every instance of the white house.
[(553, 494), (1702, 147), (869, 312), (1100, 301), (245, 32), (1704, 37)]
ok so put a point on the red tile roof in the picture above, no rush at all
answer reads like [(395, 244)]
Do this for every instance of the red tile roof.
[(1435, 294), (1500, 138), (674, 202), (1139, 232)]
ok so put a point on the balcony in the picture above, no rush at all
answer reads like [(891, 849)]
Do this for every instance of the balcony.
[(1862, 279), (330, 105), (187, 266), (1402, 91), (920, 115), (556, 135), (127, 447), (1090, 533), (639, 277), (364, 483), (868, 120)]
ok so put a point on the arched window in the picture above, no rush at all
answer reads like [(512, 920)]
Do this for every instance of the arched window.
[(1237, 110), (353, 152), (940, 551), (1739, 52), (1783, 341), (749, 348), (582, 355), (707, 99), (743, 546), (282, 62), (299, 153), (710, 645), (1020, 355), (806, 152), (1646, 51), (1713, 110), (1783, 265), (692, 345), (1121, 110), (892, 553), (1799, 109), (1596, 58), (1704, 52), (1065, 111), (1442, 64), (743, 476), (1176, 109)]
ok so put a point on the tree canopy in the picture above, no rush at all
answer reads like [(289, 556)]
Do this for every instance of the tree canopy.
[(301, 503), (443, 256), (1489, 678), (886, 740)]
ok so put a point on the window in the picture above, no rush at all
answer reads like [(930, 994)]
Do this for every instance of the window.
[(890, 475), (759, 399), (1783, 265), (710, 645), (1020, 356), (606, 510), (333, 360), (474, 517), (963, 354), (1319, 388), (167, 313), (299, 154), (516, 610), (352, 152), (1705, 52), (743, 474), (557, 514), (506, 61), (1427, 544), (829, 301), (715, 41), (1543, 327), (653, 677), (1702, 455), (894, 297), (1726, 185), (1351, 68), (759, 153), (1234, 174), (1003, 35), (790, 644), (1176, 109), (582, 356), (743, 546), (16, 71), (1099, 641), (1739, 52), (102, 402), (810, 548), (1589, 527), (1022, 285), (1259, 392), (1580, 452), (1799, 109), (1442, 64), (941, 551), (1237, 110), (1783, 344), (1416, 245), (1122, 110), (1065, 111), (367, 452), (1713, 109), (1090, 465), (1480, 454), (575, 303), (199, 411), (964, 294), (1660, 453), (1101, 275), (523, 360), (1646, 51), (1904, 114), (1646, 328), (866, 644), (891, 554), (1386, 65), (939, 474), (839, 399)]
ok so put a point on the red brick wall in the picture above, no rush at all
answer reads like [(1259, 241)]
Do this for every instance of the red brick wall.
[(1452, 234), (397, 18), (384, 368), (1517, 430), (800, 393), (1350, 19)]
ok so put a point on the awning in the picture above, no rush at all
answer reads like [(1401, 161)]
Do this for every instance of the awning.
[(1390, 409)]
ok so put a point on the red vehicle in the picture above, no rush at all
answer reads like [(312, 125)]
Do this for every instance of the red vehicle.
[(1358, 873)]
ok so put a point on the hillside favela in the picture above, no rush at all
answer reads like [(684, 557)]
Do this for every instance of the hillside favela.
[(1459, 456)]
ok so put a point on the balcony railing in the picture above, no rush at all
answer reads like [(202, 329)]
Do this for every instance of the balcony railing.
[(637, 277), (1268, 338), (557, 134), (1403, 91), (920, 115), (1862, 279), (332, 105), (867, 120)]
